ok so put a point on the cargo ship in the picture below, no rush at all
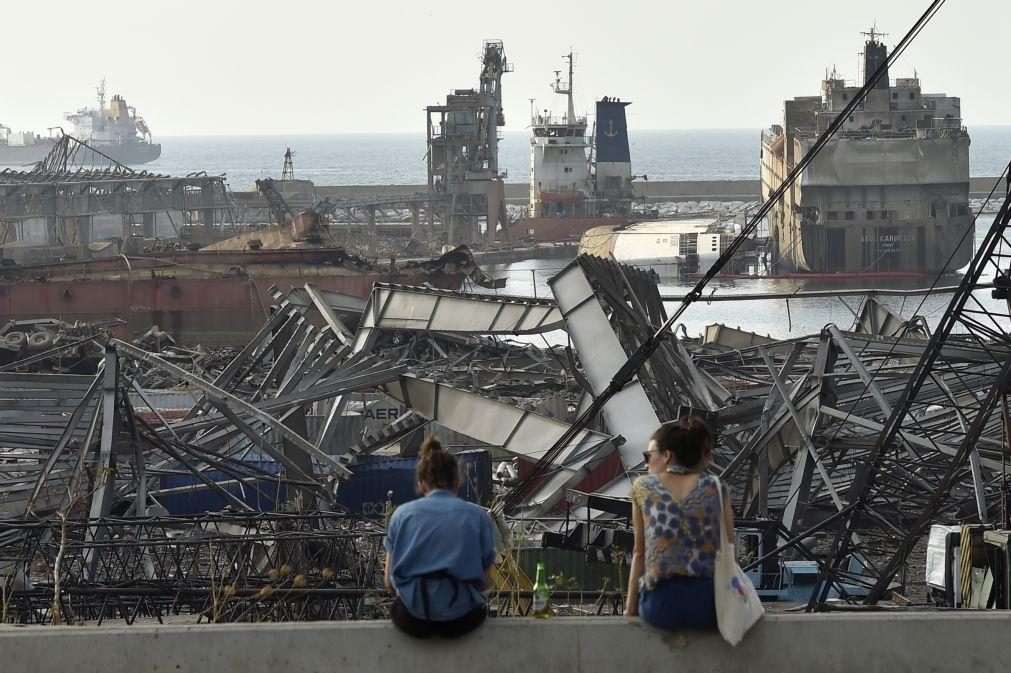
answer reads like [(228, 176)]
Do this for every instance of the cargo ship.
[(114, 131), (571, 190), (888, 194)]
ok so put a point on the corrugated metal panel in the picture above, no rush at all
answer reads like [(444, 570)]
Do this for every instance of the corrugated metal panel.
[(348, 432), (602, 475)]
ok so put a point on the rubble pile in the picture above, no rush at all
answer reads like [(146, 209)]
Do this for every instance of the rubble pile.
[(54, 345), (803, 423)]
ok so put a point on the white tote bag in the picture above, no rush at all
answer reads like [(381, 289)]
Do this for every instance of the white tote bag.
[(737, 604)]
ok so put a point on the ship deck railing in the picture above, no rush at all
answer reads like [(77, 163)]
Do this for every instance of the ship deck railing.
[(874, 134), (542, 120)]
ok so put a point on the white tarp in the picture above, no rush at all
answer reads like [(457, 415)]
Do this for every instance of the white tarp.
[(936, 549)]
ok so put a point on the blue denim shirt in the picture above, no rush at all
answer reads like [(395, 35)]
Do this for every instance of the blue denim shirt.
[(440, 533)]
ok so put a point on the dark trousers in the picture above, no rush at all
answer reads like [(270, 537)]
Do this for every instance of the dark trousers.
[(425, 628), (680, 603)]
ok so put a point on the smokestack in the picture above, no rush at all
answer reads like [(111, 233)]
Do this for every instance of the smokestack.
[(612, 132), (875, 54)]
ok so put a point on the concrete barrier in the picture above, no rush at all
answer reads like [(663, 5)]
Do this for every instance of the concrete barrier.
[(920, 642)]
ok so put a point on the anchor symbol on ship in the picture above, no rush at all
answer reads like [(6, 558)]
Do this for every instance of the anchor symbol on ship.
[(610, 132)]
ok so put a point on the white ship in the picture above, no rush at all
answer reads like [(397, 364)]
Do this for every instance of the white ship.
[(571, 190), (674, 247), (114, 131)]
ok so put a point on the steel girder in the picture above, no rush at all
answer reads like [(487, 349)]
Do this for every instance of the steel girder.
[(399, 307), (517, 431), (983, 324), (629, 413)]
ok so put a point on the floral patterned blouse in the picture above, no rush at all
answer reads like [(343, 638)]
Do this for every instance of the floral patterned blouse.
[(681, 536)]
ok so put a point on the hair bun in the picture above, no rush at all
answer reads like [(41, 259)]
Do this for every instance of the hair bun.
[(429, 447), (436, 466)]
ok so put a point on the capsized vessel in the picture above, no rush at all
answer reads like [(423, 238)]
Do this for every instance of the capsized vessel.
[(888, 194)]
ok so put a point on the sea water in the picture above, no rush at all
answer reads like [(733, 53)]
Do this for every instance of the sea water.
[(778, 318), (399, 158), (727, 154)]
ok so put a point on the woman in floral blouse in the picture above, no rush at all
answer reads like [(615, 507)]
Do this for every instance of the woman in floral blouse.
[(675, 516)]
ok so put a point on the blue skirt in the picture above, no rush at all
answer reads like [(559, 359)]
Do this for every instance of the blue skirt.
[(680, 603)]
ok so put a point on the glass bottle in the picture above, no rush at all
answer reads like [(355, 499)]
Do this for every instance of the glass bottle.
[(539, 607)]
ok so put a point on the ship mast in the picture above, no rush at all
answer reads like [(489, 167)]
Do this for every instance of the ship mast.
[(873, 33), (567, 89), (101, 95)]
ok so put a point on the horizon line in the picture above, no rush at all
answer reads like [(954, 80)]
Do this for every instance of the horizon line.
[(305, 134)]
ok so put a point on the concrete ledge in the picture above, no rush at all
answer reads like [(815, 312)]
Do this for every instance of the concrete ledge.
[(920, 642)]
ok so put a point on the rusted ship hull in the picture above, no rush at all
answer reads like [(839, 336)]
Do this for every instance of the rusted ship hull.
[(211, 299), (220, 311)]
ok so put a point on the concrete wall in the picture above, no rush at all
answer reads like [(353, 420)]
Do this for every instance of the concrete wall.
[(915, 642), (518, 193)]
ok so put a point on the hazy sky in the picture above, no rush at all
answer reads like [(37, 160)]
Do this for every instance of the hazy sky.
[(295, 66)]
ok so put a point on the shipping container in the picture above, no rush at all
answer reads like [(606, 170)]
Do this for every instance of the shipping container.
[(374, 476), (365, 492), (203, 499)]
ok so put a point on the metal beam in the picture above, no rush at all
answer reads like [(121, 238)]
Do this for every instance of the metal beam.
[(104, 479), (217, 394)]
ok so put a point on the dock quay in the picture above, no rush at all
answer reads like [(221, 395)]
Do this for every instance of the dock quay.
[(828, 643), (654, 191)]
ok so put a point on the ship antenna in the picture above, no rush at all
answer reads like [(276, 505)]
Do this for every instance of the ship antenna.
[(572, 112), (873, 33), (567, 89)]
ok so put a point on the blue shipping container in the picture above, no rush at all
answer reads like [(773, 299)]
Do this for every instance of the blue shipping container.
[(204, 499), (374, 476), (363, 493)]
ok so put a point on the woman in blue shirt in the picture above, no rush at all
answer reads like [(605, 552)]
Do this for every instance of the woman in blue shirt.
[(439, 551)]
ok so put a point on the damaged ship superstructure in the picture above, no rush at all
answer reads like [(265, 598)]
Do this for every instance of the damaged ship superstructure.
[(888, 194)]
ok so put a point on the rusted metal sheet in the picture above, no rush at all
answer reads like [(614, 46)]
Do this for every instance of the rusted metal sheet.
[(210, 311)]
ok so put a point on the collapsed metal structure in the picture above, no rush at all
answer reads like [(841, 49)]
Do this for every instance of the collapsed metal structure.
[(83, 471), (799, 422), (869, 432), (56, 202), (220, 567)]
